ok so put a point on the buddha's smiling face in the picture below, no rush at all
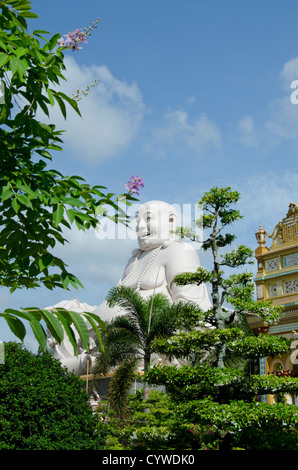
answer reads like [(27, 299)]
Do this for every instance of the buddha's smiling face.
[(155, 225)]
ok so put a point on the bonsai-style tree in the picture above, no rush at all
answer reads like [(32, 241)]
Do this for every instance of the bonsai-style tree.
[(218, 389)]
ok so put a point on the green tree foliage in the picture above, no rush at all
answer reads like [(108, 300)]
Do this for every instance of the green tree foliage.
[(152, 424), (129, 338), (212, 391), (43, 406), (37, 203)]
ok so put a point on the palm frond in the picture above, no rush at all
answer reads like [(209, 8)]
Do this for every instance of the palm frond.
[(162, 321), (129, 336), (121, 384), (130, 325), (119, 343), (131, 302)]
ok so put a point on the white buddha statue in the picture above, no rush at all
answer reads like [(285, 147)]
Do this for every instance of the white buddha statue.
[(161, 257), (154, 265)]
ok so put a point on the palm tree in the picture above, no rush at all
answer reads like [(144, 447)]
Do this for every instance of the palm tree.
[(129, 338)]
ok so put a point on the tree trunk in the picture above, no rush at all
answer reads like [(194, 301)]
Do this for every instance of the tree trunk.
[(217, 307), (221, 356), (146, 388)]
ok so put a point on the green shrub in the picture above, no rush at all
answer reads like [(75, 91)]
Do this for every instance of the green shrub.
[(42, 405), (152, 424)]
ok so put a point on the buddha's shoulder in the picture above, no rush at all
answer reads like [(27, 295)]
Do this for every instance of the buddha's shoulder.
[(179, 247)]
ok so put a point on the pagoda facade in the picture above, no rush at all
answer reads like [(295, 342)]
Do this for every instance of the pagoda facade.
[(277, 280)]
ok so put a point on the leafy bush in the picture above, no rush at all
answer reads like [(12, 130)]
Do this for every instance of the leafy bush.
[(250, 426), (43, 406), (153, 425)]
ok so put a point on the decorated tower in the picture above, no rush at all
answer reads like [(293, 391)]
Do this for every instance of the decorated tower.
[(277, 280)]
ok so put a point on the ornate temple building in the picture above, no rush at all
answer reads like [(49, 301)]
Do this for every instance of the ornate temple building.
[(277, 280)]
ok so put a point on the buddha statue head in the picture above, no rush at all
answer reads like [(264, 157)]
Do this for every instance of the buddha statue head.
[(156, 224)]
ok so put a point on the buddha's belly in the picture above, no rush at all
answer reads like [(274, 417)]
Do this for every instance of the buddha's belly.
[(163, 289), (154, 278)]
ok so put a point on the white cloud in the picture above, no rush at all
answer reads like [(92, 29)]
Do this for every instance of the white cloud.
[(196, 133), (289, 72), (282, 122), (95, 260), (265, 199), (111, 112), (191, 99), (247, 132)]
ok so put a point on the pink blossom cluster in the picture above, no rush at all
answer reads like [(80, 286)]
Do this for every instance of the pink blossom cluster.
[(134, 184), (73, 40)]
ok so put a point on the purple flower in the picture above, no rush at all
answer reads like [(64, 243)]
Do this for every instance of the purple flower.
[(73, 40), (134, 184)]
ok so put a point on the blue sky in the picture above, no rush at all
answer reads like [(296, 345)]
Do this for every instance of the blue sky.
[(191, 95)]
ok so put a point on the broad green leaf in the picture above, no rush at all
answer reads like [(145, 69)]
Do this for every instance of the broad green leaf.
[(26, 189), (20, 21), (81, 328), (43, 107), (53, 325), (44, 154), (76, 177), (63, 317), (30, 312), (14, 3), (71, 215), (75, 282), (47, 128), (36, 327), (18, 66), (52, 42), (79, 225), (3, 45), (4, 58), (16, 325), (97, 332), (24, 200), (95, 317), (51, 59), (75, 202), (18, 313), (27, 14), (6, 194), (39, 333), (40, 56), (73, 103), (15, 205), (83, 216), (58, 214), (19, 4), (64, 280), (45, 261), (61, 105), (21, 51), (40, 31), (51, 97)]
